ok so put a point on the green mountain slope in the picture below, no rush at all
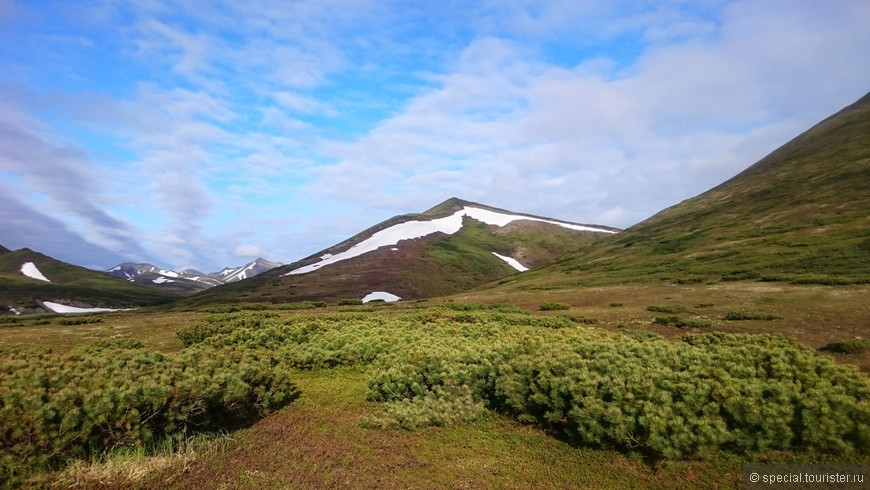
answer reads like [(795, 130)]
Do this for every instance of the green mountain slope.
[(432, 265), (68, 284), (801, 214)]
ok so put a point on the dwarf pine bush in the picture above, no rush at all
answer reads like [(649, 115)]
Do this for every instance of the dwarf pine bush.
[(60, 406), (554, 306), (673, 399)]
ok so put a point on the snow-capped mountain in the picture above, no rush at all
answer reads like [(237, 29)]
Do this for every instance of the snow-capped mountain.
[(189, 279), (251, 269), (452, 247)]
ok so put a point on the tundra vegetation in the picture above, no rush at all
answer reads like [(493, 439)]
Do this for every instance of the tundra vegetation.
[(701, 396)]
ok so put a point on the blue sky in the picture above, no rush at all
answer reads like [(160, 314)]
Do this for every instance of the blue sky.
[(204, 134)]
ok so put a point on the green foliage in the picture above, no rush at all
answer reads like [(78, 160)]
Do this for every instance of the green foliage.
[(742, 315), (667, 308), (302, 305), (741, 276), (463, 306), (682, 322), (221, 323), (671, 399), (60, 406), (554, 306), (854, 346), (234, 307), (349, 301), (80, 320)]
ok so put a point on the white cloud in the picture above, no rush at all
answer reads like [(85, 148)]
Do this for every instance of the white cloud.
[(248, 250)]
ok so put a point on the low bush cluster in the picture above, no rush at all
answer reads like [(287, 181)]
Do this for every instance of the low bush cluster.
[(682, 322), (670, 399), (80, 320), (60, 406), (667, 308), (554, 306), (854, 346), (742, 316)]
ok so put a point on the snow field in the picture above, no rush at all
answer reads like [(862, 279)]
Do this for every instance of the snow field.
[(512, 262), (59, 308), (29, 269), (388, 297)]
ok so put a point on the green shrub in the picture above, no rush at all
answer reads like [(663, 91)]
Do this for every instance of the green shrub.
[(667, 308), (742, 315), (681, 322), (302, 305), (855, 346), (464, 306), (109, 394), (741, 276), (235, 307), (80, 320), (554, 306), (350, 301), (674, 399)]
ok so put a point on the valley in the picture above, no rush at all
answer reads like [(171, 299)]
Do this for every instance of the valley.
[(728, 329)]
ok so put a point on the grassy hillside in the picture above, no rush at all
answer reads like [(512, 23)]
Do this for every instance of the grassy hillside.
[(798, 215), (434, 265), (69, 283)]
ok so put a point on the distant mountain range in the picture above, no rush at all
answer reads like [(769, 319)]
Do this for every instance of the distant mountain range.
[(188, 280), (31, 282)]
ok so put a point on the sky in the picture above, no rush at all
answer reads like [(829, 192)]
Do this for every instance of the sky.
[(207, 133)]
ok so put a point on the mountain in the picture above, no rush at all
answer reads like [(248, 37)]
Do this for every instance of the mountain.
[(799, 215), (28, 279), (452, 247), (189, 280), (251, 269)]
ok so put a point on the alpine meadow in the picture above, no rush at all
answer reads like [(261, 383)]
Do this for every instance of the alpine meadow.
[(725, 330)]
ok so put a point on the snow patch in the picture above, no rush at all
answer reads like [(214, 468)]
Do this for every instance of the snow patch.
[(29, 269), (168, 273), (59, 308), (380, 295), (161, 280), (394, 249), (416, 229), (512, 262), (115, 269), (14, 311)]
